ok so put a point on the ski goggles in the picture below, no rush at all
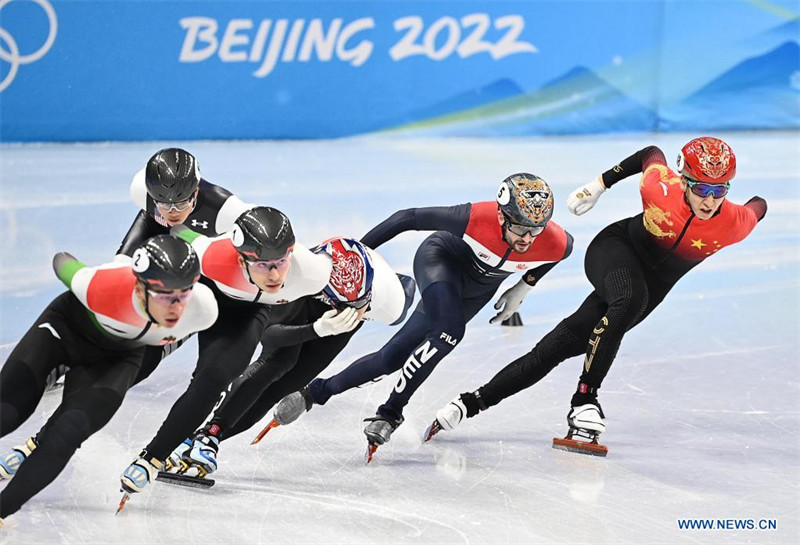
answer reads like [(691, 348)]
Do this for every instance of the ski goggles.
[(168, 298), (702, 189), (357, 304), (180, 206), (522, 230), (266, 266)]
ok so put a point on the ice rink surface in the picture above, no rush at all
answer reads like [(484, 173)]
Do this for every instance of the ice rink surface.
[(702, 403)]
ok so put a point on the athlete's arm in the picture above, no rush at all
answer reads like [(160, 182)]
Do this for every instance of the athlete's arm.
[(65, 266), (585, 197), (435, 218), (635, 164), (758, 206), (281, 335), (143, 227)]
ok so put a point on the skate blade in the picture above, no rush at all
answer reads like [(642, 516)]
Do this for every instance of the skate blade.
[(122, 502), (260, 436), (581, 447), (371, 448), (432, 430), (185, 480)]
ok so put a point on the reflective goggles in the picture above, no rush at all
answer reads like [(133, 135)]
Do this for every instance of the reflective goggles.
[(522, 230), (702, 189), (180, 206), (265, 266), (358, 304), (167, 298)]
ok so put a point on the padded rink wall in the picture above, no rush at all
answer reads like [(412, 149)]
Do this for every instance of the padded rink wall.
[(88, 70)]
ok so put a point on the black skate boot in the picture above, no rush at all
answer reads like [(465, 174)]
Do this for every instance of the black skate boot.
[(378, 431)]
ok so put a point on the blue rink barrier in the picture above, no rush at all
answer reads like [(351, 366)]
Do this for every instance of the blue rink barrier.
[(144, 70)]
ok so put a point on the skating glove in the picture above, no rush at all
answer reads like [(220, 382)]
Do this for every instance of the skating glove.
[(512, 299), (140, 473), (584, 198), (334, 322)]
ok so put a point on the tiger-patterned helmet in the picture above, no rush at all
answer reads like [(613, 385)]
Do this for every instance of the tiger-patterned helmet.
[(525, 199)]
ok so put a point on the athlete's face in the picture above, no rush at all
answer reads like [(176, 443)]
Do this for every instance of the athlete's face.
[(703, 207), (165, 306), (269, 276), (176, 213), (519, 244)]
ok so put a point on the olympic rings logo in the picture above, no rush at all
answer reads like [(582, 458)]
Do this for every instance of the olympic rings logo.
[(12, 55)]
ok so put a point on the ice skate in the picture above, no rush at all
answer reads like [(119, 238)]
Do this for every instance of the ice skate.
[(11, 460), (585, 422), (191, 462), (203, 453), (447, 418), (175, 463), (287, 411), (378, 431)]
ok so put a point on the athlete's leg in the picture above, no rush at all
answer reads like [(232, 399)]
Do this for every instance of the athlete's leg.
[(373, 366), (97, 392), (566, 340), (24, 374), (225, 350), (446, 326), (314, 357), (620, 279)]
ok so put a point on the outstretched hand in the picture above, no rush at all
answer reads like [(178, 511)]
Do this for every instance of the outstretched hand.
[(584, 198)]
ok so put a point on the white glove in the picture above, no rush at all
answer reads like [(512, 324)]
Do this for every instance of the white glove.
[(512, 299), (584, 198), (332, 323), (139, 474)]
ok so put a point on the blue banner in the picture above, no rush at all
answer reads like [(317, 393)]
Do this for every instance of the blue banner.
[(147, 70)]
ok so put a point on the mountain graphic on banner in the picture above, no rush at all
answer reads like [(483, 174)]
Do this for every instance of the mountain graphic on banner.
[(500, 89), (578, 101), (758, 93)]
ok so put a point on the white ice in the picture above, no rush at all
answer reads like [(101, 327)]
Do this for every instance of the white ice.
[(702, 402)]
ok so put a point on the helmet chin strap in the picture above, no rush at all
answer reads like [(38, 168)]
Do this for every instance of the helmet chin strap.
[(250, 279), (506, 232), (147, 306)]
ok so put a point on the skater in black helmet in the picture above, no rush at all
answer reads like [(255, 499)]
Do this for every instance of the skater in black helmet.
[(100, 328)]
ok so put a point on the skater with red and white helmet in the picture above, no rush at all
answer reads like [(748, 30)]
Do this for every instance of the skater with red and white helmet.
[(632, 264)]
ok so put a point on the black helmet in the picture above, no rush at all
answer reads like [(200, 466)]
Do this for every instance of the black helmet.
[(525, 199), (263, 234), (167, 263), (171, 175)]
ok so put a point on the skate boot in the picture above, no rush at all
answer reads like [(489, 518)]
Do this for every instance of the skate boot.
[(450, 416), (287, 411), (585, 422), (182, 469), (10, 461), (378, 431), (203, 452), (175, 463)]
